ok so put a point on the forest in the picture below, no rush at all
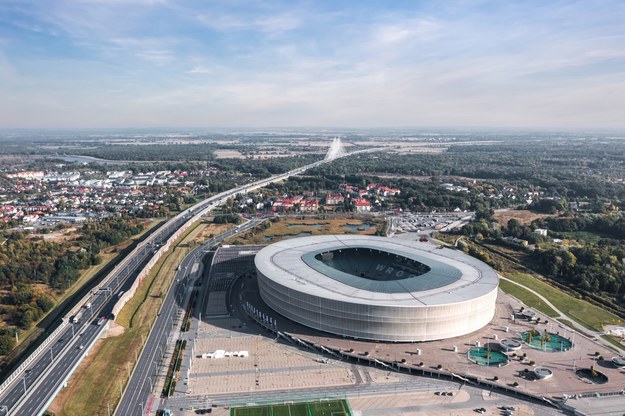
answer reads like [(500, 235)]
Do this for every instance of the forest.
[(30, 264)]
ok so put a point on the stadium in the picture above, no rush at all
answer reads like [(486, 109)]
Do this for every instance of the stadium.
[(377, 288)]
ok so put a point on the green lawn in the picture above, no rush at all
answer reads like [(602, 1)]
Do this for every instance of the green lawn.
[(321, 408), (587, 314), (527, 298)]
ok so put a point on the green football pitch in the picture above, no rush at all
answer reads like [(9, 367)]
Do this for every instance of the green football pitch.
[(320, 408)]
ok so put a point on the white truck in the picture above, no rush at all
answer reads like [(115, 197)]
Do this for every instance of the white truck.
[(76, 318)]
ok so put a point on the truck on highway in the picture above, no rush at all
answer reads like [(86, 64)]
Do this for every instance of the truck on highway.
[(76, 318), (101, 320)]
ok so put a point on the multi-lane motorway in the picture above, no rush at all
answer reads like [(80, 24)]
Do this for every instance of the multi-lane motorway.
[(35, 388), (134, 400)]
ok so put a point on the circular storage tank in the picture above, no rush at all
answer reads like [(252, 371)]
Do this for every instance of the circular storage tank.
[(377, 288)]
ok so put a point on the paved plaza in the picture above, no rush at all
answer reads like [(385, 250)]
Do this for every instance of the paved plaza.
[(273, 369)]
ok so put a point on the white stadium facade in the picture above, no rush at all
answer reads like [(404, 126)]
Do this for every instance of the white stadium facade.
[(377, 288)]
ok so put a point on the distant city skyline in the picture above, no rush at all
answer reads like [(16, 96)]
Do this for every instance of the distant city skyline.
[(91, 64)]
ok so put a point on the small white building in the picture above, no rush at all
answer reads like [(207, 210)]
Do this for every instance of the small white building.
[(541, 231)]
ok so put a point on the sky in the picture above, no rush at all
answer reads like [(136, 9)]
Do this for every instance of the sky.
[(337, 63)]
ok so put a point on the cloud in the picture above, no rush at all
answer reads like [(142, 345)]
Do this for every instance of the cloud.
[(312, 63), (198, 70), (273, 24), (418, 29)]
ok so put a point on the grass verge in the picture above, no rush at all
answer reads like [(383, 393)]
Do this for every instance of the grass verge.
[(527, 298), (587, 314), (111, 361), (613, 340)]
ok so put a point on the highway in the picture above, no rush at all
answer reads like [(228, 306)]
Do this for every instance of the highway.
[(32, 392), (140, 386)]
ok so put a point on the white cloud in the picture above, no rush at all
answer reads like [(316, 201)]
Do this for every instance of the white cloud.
[(402, 30), (198, 70), (273, 25)]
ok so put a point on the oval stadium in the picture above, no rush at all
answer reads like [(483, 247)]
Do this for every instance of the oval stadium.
[(377, 288)]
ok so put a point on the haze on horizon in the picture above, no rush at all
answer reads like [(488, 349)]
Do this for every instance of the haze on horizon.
[(162, 63)]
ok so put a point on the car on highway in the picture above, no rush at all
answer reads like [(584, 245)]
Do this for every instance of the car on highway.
[(81, 347)]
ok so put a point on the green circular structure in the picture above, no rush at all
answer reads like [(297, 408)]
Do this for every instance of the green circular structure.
[(546, 341), (487, 358)]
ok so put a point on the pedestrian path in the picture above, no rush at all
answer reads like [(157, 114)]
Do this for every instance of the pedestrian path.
[(562, 315)]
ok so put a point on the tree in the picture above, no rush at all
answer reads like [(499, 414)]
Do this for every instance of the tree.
[(513, 227), (7, 342)]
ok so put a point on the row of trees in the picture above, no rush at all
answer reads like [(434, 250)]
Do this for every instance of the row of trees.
[(594, 266)]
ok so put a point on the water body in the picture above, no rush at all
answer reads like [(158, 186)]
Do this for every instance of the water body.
[(358, 227), (304, 225), (89, 159)]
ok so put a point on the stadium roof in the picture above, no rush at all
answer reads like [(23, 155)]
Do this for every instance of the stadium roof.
[(452, 277)]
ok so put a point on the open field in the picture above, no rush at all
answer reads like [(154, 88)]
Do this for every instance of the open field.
[(527, 298), (323, 408), (294, 227), (203, 231), (587, 314), (228, 154), (108, 367), (523, 216)]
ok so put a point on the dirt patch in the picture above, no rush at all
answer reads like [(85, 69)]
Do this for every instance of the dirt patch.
[(211, 229), (293, 227), (114, 330), (228, 154), (523, 216)]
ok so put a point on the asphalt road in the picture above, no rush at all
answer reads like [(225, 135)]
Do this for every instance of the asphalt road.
[(410, 385), (137, 393), (41, 381), (33, 391)]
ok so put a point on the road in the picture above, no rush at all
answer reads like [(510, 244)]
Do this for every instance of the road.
[(34, 390), (140, 386), (408, 385), (571, 321)]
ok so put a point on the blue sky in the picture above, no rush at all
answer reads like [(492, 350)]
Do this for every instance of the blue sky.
[(162, 63)]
